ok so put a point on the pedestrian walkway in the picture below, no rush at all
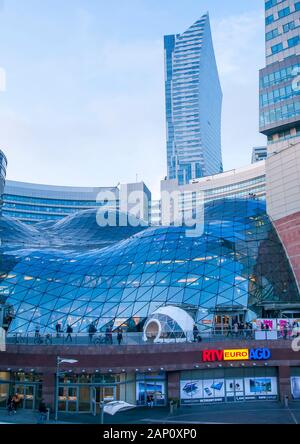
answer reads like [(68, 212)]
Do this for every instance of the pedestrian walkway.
[(240, 413)]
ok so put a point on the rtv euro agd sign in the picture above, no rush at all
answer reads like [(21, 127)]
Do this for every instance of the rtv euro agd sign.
[(2, 340)]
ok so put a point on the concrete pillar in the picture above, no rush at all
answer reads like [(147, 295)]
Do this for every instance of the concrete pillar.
[(284, 374), (49, 390), (174, 385)]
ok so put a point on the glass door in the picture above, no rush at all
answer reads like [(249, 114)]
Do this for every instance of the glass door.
[(151, 393), (27, 396), (68, 399), (4, 394), (102, 394)]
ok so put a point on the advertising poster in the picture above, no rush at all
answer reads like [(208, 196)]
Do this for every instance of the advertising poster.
[(295, 383), (202, 391), (261, 388), (231, 390)]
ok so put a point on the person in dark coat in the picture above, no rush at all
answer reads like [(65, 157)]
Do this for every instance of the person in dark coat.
[(43, 412), (195, 333), (69, 333), (120, 336)]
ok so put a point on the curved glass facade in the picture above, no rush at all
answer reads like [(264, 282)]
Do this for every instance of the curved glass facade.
[(75, 272)]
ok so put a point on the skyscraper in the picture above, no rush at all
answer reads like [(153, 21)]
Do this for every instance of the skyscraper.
[(280, 121), (193, 104)]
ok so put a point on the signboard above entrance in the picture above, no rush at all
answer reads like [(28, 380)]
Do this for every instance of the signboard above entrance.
[(254, 354)]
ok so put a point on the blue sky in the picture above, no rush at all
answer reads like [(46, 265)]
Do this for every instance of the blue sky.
[(84, 103)]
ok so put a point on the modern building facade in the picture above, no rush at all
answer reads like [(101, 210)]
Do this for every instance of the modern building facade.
[(193, 104), (259, 153), (76, 273), (34, 203), (243, 183), (280, 121)]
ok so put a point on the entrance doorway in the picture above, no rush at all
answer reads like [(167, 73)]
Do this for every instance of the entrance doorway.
[(223, 322), (27, 394), (102, 394), (68, 399)]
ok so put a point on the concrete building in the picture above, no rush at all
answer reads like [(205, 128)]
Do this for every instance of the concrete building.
[(280, 121)]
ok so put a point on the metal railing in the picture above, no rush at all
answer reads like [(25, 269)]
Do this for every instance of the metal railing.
[(102, 339)]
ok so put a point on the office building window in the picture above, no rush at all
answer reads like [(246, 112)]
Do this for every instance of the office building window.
[(289, 26), (284, 12), (277, 48)]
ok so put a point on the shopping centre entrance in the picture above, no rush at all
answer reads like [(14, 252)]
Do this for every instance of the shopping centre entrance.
[(28, 387), (224, 321)]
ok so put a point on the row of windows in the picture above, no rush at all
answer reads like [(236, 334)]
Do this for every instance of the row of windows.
[(285, 135), (21, 207), (279, 76), (51, 202), (282, 13), (282, 113), (275, 32), (291, 43), (237, 186), (29, 216), (277, 95), (270, 3)]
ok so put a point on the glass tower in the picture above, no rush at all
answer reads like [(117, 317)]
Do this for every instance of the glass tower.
[(193, 104)]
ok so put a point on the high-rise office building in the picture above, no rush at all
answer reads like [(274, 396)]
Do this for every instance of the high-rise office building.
[(280, 121), (193, 104), (259, 153)]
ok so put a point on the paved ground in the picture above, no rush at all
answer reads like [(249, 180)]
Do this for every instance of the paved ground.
[(245, 413)]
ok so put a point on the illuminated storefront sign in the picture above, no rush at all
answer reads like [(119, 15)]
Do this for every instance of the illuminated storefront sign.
[(257, 354)]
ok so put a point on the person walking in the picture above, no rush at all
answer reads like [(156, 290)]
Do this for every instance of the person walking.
[(110, 335), (10, 405), (58, 329), (43, 412), (37, 332), (285, 332), (236, 329), (69, 332), (16, 400), (107, 335), (195, 333), (92, 331), (120, 336)]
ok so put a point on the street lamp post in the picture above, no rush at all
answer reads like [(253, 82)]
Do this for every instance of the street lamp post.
[(58, 362)]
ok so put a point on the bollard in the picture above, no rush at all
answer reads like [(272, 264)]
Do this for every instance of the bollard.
[(171, 407)]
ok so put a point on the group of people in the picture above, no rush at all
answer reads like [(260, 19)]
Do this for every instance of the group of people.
[(92, 330), (240, 329), (109, 335), (13, 403), (289, 330)]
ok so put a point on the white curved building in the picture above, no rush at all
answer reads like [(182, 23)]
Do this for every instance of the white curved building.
[(246, 182)]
